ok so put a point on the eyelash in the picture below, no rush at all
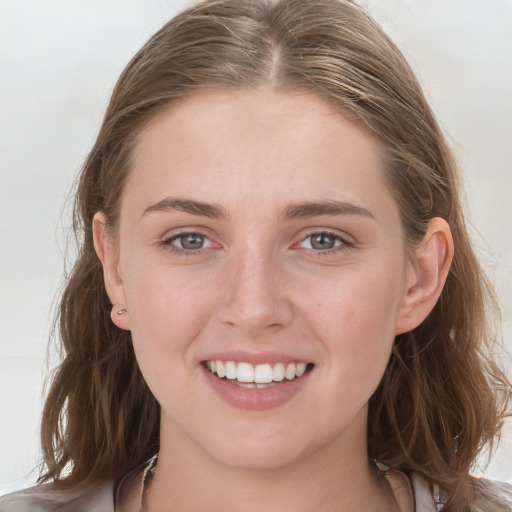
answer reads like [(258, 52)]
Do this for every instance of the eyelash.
[(343, 246), (167, 243)]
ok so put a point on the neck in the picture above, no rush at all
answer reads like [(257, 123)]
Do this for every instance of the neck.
[(337, 476)]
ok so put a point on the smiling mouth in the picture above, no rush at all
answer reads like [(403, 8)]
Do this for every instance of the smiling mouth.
[(257, 376)]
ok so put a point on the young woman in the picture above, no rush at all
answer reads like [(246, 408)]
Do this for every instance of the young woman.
[(276, 305)]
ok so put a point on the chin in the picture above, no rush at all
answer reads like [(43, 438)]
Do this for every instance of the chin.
[(255, 458), (258, 450)]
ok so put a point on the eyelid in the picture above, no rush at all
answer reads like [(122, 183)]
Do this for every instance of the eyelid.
[(169, 237), (346, 240), (174, 233)]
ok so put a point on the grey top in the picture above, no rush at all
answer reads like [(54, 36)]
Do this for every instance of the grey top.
[(45, 498)]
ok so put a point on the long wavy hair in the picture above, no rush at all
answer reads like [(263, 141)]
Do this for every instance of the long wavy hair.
[(442, 398)]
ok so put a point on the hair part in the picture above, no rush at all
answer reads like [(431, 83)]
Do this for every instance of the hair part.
[(442, 397)]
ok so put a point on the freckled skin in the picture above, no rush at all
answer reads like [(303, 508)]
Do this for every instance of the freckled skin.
[(257, 283)]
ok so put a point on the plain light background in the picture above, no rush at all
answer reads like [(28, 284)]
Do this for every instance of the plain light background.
[(58, 63)]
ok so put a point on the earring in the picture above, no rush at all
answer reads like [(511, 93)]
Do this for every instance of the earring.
[(121, 311)]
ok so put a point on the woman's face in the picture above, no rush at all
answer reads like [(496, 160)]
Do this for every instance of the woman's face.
[(257, 235)]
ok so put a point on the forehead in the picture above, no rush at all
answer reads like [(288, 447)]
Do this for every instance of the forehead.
[(258, 143), (268, 115)]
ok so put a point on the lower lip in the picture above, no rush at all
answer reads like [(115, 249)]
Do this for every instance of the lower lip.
[(254, 398)]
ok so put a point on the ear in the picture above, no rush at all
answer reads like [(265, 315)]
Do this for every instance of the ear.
[(428, 269), (108, 255)]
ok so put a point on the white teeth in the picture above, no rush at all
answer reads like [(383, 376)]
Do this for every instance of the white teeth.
[(262, 373), (278, 373), (256, 376), (301, 368), (244, 373), (221, 369), (253, 385), (290, 371), (231, 372)]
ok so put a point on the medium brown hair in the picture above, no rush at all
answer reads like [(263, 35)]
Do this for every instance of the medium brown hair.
[(442, 397)]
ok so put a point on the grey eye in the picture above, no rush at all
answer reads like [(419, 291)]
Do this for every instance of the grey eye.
[(322, 241), (190, 241)]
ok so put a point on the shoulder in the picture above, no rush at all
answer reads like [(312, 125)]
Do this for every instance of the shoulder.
[(491, 496), (47, 498)]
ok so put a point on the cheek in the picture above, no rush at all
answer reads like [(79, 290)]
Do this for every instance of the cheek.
[(354, 314), (167, 315), (362, 298), (167, 312)]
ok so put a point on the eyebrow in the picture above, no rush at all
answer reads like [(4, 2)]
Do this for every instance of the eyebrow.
[(292, 211), (317, 208), (188, 206)]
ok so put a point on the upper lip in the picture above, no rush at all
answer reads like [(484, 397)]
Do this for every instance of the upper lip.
[(261, 357)]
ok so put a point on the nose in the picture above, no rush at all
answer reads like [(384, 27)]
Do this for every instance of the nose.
[(255, 300)]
